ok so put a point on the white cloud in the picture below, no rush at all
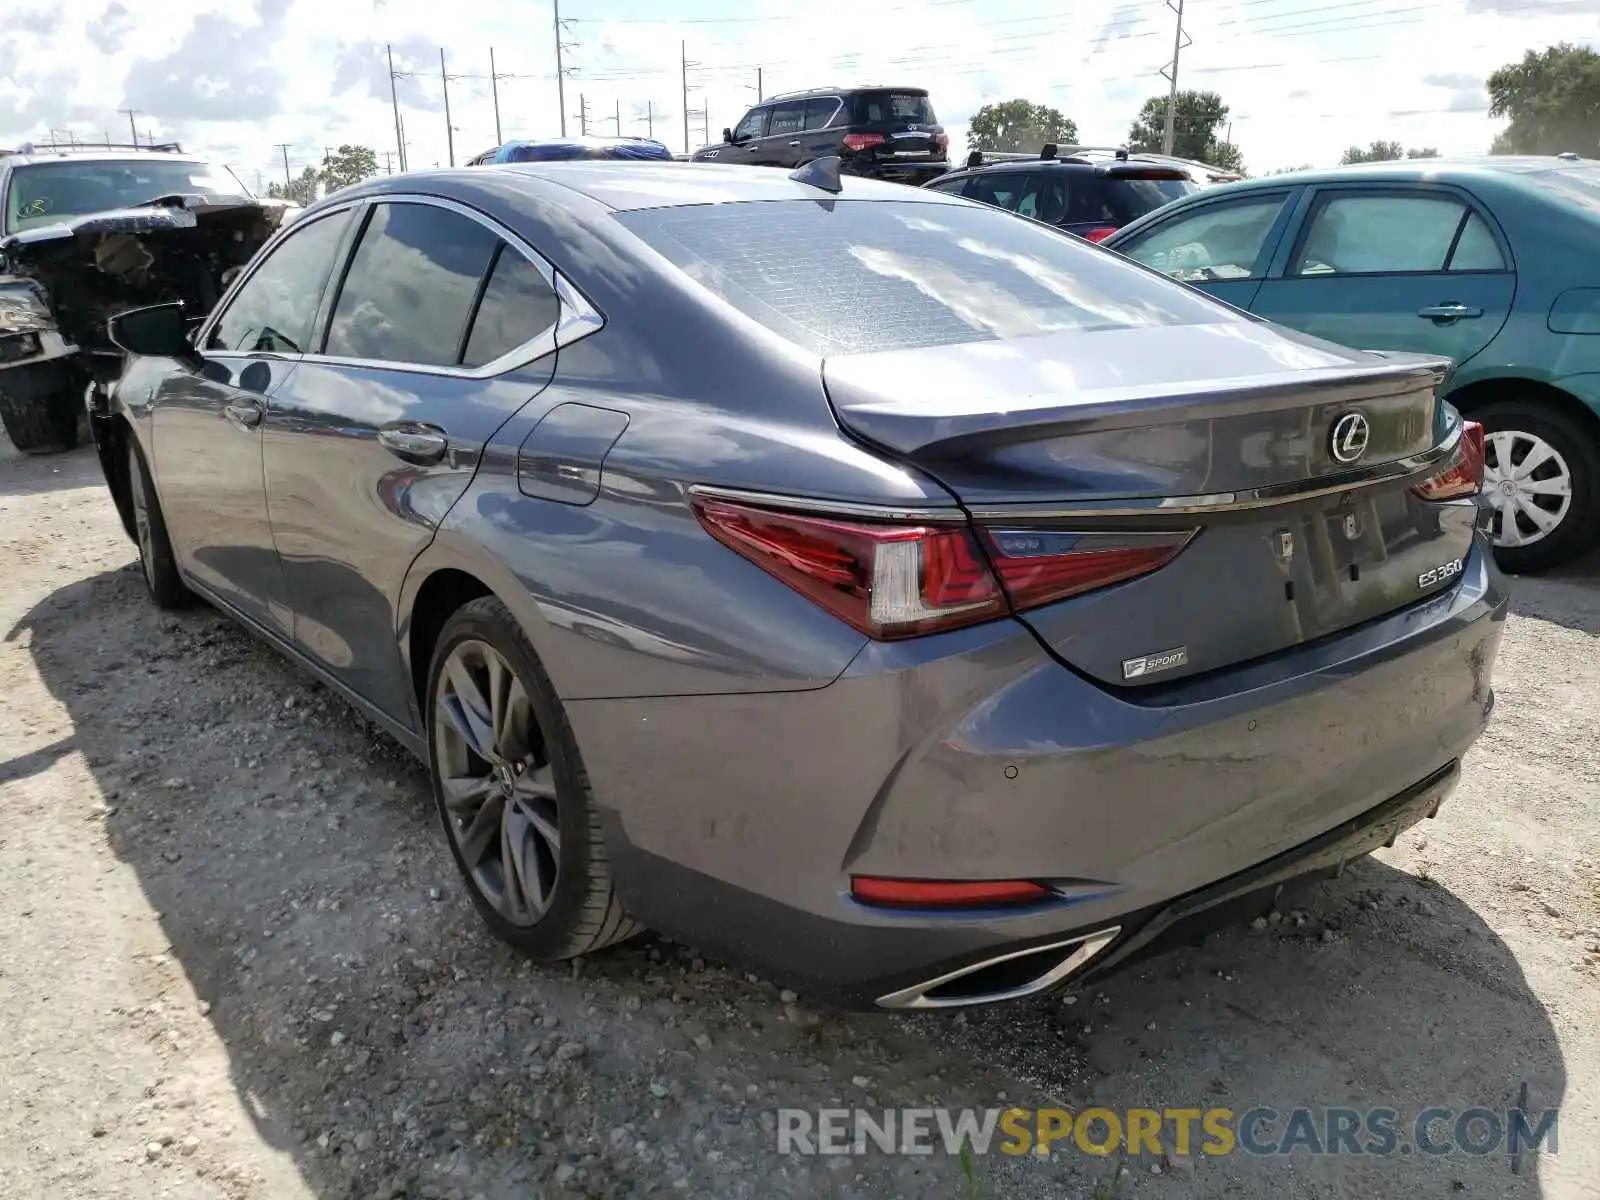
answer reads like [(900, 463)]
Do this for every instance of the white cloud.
[(238, 76)]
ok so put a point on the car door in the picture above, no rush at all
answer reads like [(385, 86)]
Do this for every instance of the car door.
[(783, 145), (819, 139), (1223, 246), (429, 342), (207, 423), (1381, 267), (748, 137)]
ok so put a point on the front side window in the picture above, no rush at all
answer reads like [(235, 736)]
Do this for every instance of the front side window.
[(49, 192), (754, 125), (1379, 234), (275, 307), (788, 118), (820, 112), (854, 276), (411, 286), (1217, 242), (1003, 189), (952, 187)]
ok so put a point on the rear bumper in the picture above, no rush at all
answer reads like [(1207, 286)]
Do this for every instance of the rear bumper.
[(736, 822), (914, 173)]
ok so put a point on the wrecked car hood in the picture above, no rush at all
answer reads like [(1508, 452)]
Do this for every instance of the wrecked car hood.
[(145, 218)]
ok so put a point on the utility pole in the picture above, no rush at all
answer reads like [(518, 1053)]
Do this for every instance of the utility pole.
[(619, 118), (1180, 40), (494, 86), (583, 116), (132, 112), (287, 182), (449, 130), (649, 118), (683, 50), (388, 162), (394, 99), (760, 94), (561, 72)]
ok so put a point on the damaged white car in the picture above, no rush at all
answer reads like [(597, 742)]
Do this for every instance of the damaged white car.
[(87, 231)]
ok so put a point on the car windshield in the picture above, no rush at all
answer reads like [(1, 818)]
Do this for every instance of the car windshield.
[(842, 277), (48, 192), (893, 108)]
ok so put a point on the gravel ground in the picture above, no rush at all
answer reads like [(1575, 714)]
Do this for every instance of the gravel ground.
[(235, 960)]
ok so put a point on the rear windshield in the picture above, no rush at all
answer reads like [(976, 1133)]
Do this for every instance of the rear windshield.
[(45, 193), (843, 277), (1580, 185), (893, 108), (1128, 199)]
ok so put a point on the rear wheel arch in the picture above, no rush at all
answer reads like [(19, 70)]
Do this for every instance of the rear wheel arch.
[(443, 593)]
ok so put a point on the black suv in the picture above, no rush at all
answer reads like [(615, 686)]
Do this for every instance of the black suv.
[(1086, 191), (880, 132)]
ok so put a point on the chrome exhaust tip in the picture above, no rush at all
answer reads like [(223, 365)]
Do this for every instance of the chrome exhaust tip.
[(1005, 976)]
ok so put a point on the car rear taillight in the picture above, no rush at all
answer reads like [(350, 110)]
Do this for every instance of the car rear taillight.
[(942, 141), (1098, 234), (934, 893), (1464, 475), (1038, 567), (896, 580), (863, 141)]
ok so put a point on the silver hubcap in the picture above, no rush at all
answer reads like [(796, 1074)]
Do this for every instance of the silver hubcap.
[(1528, 483), (499, 790)]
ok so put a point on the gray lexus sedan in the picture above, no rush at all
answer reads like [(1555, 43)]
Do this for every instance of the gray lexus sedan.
[(864, 584)]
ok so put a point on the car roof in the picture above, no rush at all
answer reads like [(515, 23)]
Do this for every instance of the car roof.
[(812, 93), (658, 184), (1507, 168)]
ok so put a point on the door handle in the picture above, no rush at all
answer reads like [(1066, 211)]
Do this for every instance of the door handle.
[(414, 441), (245, 414), (1449, 311), (794, 143)]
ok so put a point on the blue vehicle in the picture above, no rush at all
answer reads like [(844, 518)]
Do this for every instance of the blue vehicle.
[(565, 149), (851, 579)]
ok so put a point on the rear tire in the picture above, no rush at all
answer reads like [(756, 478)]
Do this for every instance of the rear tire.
[(41, 424), (1564, 486), (157, 562), (512, 792)]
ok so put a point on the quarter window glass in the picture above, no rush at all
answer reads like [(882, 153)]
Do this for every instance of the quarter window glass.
[(1044, 197), (1365, 235), (517, 306), (411, 285), (1001, 188), (754, 125), (1477, 250), (274, 309), (820, 112), (1221, 241), (788, 118)]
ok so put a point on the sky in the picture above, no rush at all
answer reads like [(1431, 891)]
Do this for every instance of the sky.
[(239, 79)]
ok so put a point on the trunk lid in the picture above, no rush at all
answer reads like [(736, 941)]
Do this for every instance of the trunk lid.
[(1226, 430)]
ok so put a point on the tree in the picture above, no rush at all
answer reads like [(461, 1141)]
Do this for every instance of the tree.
[(302, 190), (1197, 117), (1385, 152), (348, 165), (1553, 100), (1019, 126)]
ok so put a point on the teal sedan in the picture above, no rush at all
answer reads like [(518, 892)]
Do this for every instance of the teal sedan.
[(1495, 263)]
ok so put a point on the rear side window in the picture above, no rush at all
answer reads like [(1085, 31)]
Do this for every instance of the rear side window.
[(411, 286), (1476, 249), (788, 118), (1003, 189), (1379, 234), (852, 276), (1216, 242), (819, 113), (893, 108), (274, 308), (517, 305)]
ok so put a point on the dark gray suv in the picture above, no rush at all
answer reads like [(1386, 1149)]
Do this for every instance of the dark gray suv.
[(876, 132), (927, 613)]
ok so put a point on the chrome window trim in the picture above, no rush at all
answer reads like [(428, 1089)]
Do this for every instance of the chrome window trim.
[(830, 508), (576, 318)]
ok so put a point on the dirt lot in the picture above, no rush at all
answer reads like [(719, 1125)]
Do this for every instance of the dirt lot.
[(235, 961)]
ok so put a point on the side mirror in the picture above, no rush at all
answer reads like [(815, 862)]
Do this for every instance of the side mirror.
[(727, 135), (156, 331)]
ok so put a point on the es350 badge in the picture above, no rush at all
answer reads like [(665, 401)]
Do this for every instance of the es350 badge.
[(1440, 573)]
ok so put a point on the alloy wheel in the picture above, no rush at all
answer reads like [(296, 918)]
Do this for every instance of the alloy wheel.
[(1529, 484), (498, 785)]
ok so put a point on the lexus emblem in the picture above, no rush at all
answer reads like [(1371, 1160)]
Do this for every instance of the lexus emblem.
[(1348, 441)]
